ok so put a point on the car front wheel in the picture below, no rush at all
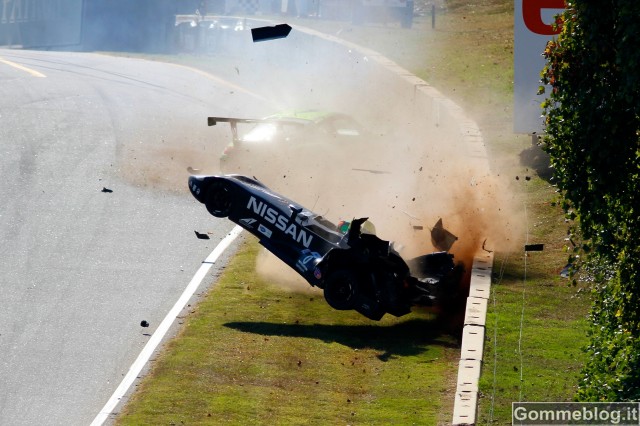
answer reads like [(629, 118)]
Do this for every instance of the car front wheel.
[(341, 289), (218, 200)]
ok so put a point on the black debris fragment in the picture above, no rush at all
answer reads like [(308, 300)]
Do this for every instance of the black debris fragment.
[(441, 238), (270, 33), (107, 190), (144, 323), (534, 247), (201, 236)]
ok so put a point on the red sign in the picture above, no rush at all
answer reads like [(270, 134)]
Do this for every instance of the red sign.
[(532, 15)]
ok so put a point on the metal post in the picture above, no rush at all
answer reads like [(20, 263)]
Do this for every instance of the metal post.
[(433, 15)]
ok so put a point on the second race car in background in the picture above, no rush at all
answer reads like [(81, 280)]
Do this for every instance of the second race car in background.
[(288, 137)]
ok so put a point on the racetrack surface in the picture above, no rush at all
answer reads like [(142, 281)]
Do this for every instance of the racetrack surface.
[(82, 266)]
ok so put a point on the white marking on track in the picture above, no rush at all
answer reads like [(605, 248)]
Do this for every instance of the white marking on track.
[(163, 328), (23, 68), (220, 81)]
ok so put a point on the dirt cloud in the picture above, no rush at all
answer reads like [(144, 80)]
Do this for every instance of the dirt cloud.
[(406, 176)]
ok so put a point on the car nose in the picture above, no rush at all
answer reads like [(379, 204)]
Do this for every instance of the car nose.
[(196, 186)]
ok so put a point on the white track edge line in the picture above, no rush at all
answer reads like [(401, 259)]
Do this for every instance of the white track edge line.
[(163, 328)]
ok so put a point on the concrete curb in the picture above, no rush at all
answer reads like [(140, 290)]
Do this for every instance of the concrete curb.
[(466, 399)]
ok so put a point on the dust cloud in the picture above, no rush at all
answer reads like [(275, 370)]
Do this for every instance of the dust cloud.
[(405, 175)]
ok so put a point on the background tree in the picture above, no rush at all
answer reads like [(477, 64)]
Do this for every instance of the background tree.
[(593, 134)]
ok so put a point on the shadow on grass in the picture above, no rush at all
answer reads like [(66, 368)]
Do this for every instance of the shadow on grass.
[(535, 158), (404, 339)]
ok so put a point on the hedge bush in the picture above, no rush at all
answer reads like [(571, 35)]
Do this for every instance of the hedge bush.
[(593, 139)]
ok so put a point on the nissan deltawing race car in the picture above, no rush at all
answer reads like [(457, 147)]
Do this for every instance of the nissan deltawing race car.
[(285, 136), (355, 269)]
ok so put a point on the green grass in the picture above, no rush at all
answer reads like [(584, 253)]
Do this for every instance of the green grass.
[(252, 353), (536, 324)]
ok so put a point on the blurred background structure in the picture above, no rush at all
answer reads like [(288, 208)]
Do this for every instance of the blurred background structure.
[(165, 25)]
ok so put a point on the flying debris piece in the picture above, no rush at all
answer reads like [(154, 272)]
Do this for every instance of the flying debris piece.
[(270, 33), (534, 247), (144, 323), (375, 172), (441, 238), (192, 171), (107, 190), (487, 250), (201, 236)]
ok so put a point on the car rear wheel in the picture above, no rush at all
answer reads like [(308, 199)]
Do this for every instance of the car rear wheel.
[(341, 289), (218, 200)]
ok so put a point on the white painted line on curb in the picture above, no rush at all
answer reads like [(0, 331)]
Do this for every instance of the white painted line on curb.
[(465, 405), (164, 326)]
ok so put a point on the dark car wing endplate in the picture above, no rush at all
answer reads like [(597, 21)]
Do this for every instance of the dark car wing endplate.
[(212, 121)]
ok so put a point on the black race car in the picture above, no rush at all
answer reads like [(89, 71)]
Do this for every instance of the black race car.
[(356, 270)]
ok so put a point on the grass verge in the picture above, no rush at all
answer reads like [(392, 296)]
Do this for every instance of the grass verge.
[(252, 354)]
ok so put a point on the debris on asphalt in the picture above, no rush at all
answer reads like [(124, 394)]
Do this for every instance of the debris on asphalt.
[(201, 236)]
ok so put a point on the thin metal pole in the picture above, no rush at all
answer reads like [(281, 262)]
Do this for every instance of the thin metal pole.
[(433, 15)]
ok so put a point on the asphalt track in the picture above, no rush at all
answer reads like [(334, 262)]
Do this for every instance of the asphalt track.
[(81, 268)]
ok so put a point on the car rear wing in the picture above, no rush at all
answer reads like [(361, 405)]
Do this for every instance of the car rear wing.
[(212, 121)]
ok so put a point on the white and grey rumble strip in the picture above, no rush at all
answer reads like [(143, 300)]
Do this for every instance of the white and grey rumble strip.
[(466, 399)]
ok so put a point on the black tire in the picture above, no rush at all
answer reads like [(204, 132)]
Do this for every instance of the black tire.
[(218, 199), (341, 289)]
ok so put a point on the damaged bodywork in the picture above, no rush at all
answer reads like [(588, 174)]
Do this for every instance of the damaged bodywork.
[(355, 269)]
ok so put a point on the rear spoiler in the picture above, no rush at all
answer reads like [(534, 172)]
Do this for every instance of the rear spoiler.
[(212, 121)]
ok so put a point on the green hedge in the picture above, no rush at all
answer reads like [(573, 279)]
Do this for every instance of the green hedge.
[(593, 128)]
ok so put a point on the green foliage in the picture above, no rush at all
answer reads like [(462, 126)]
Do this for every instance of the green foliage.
[(593, 128)]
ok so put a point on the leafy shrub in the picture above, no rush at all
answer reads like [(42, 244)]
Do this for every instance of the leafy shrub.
[(593, 139)]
